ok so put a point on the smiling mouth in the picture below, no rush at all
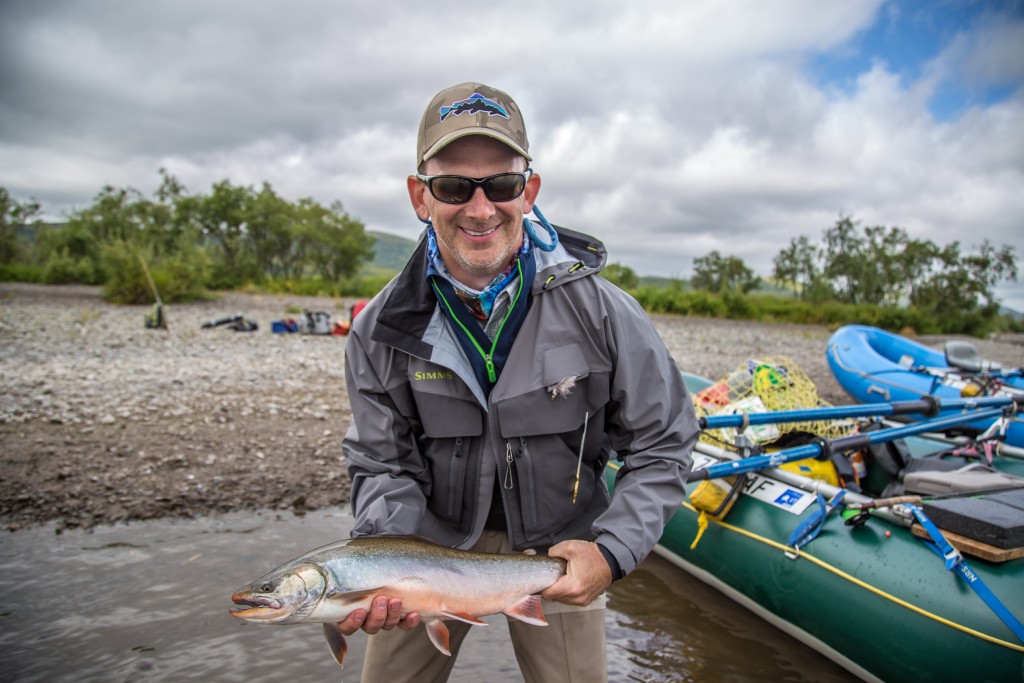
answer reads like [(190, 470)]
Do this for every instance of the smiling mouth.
[(475, 233)]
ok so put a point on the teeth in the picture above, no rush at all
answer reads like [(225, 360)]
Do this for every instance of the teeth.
[(479, 234)]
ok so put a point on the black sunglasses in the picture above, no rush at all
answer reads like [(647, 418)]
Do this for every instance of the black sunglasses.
[(457, 189)]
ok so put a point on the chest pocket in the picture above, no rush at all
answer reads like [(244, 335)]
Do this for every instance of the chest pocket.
[(547, 423), (568, 388), (452, 423)]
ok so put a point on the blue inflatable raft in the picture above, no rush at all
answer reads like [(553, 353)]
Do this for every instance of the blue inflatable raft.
[(875, 366)]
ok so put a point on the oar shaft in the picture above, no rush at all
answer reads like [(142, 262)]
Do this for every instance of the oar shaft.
[(923, 406), (846, 443)]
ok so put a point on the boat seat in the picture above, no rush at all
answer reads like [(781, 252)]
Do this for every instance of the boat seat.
[(931, 476), (961, 354)]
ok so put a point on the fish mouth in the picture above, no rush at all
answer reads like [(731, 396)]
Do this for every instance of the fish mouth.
[(257, 607)]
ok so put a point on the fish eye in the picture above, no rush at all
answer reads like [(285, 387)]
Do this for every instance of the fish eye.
[(267, 587)]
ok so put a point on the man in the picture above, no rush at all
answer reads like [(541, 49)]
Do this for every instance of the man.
[(490, 382)]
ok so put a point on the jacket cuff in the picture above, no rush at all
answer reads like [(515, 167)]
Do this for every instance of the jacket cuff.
[(613, 564), (621, 552)]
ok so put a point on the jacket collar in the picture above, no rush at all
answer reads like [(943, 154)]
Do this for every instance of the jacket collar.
[(411, 303)]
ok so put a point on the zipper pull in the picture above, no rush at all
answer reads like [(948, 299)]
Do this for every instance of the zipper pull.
[(458, 446), (492, 375), (509, 462)]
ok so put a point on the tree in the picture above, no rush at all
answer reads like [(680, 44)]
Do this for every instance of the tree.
[(797, 266), (231, 236), (960, 288), (846, 264), (335, 244), (620, 275), (220, 219), (886, 267), (269, 220), (13, 215), (716, 273)]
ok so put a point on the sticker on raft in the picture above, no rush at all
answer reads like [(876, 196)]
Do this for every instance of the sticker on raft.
[(327, 584), (766, 490)]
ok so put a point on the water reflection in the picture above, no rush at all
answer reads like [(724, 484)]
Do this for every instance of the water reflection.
[(148, 601)]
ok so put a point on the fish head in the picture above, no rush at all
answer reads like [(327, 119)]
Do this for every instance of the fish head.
[(283, 596)]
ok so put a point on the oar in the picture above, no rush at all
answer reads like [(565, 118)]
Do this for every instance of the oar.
[(846, 443), (924, 406)]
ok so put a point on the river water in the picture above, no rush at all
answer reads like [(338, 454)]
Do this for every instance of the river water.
[(148, 601)]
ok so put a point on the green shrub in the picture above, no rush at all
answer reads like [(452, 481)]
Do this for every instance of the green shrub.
[(20, 272), (63, 268), (178, 277)]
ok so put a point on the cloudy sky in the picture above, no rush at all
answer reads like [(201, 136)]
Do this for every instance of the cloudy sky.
[(668, 129)]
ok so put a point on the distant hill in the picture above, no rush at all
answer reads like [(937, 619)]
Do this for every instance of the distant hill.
[(390, 252), (656, 281), (1016, 315)]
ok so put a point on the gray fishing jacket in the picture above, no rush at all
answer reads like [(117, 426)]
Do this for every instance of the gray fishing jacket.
[(425, 445)]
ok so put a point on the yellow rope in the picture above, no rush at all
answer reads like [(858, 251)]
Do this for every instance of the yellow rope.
[(866, 586), (857, 582)]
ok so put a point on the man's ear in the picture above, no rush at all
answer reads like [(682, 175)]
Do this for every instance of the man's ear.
[(418, 197), (531, 192)]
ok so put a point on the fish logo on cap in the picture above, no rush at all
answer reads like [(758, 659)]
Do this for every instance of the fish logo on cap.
[(474, 104)]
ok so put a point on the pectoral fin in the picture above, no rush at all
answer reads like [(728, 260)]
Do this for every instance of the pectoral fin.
[(438, 633), (336, 642), (352, 597), (529, 610), (468, 618)]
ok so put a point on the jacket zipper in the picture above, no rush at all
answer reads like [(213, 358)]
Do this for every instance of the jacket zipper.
[(528, 492), (453, 479), (488, 356), (495, 439)]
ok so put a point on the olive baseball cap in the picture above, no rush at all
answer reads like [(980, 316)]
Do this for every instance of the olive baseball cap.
[(470, 109)]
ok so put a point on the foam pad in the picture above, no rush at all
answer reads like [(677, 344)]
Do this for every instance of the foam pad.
[(996, 519)]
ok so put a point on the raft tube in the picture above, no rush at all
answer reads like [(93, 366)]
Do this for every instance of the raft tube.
[(875, 366)]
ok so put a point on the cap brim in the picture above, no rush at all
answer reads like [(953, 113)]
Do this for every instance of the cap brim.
[(463, 132)]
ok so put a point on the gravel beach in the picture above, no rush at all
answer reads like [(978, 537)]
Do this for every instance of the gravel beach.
[(102, 420)]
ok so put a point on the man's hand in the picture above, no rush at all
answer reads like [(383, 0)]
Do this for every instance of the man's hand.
[(384, 614), (586, 577)]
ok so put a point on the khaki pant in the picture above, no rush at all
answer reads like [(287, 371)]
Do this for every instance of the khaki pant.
[(570, 648)]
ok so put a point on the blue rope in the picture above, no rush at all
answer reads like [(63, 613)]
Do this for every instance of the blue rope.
[(528, 227)]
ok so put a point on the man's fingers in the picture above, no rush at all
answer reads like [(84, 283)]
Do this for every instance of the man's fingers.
[(352, 622), (411, 621), (378, 615), (587, 573), (394, 613), (384, 614)]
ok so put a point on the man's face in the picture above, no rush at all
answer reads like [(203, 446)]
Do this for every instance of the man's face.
[(476, 239)]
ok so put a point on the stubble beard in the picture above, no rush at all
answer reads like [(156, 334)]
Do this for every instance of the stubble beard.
[(488, 268)]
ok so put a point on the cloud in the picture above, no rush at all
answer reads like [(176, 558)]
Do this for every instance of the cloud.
[(666, 129)]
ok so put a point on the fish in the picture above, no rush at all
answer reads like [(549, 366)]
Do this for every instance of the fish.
[(327, 584)]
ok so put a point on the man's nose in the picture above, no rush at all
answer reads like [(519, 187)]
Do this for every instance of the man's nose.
[(479, 206)]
